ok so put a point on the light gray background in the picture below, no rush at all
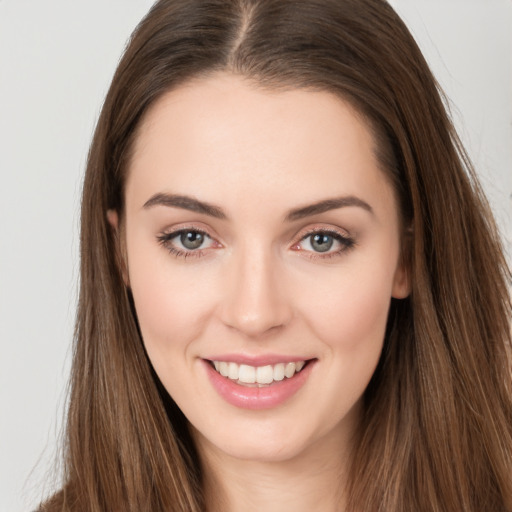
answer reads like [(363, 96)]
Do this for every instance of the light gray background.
[(56, 61)]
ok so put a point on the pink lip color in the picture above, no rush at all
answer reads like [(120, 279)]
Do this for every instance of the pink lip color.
[(256, 360), (253, 397)]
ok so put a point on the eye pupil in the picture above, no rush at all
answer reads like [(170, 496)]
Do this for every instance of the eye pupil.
[(321, 242), (191, 239)]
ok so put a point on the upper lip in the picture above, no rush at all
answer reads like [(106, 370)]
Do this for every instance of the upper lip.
[(257, 360)]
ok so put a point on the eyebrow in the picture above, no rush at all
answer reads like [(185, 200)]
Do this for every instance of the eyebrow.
[(186, 203), (194, 205), (327, 205)]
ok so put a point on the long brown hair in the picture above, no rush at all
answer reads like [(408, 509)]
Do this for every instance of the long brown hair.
[(436, 433)]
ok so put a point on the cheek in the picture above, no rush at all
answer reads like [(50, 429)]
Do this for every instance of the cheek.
[(171, 301), (348, 316), (172, 312), (358, 310), (349, 311)]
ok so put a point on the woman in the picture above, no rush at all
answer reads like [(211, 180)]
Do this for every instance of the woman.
[(292, 291)]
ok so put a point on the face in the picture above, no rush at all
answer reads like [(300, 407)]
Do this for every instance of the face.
[(263, 250)]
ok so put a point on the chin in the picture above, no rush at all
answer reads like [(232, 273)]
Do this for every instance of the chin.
[(277, 451), (269, 442)]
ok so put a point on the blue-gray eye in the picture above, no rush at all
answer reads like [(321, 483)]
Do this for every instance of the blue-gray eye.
[(321, 242), (191, 239)]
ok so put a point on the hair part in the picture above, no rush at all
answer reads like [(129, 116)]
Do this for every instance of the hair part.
[(437, 427)]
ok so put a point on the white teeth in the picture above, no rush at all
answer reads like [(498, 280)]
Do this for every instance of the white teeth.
[(261, 375), (223, 369), (264, 374), (279, 371), (247, 374), (233, 371), (289, 370)]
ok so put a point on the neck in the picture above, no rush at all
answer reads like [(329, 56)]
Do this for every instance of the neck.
[(313, 480)]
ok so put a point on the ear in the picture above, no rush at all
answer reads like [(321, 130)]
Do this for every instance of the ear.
[(113, 220), (401, 281), (402, 278)]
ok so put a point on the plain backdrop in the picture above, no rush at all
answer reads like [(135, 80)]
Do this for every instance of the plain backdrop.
[(56, 60)]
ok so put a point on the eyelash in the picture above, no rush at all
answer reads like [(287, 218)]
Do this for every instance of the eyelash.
[(165, 240), (347, 243)]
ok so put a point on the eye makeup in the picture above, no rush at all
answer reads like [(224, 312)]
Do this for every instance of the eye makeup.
[(318, 243), (187, 242), (323, 243)]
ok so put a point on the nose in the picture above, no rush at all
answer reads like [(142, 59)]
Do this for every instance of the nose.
[(254, 301)]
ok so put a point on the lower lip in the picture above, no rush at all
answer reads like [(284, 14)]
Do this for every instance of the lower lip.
[(253, 397)]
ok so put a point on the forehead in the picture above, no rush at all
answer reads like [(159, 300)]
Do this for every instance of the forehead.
[(223, 135)]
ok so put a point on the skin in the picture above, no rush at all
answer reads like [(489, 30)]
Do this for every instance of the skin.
[(257, 285)]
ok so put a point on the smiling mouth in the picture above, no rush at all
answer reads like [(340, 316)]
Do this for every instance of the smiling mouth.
[(258, 376)]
